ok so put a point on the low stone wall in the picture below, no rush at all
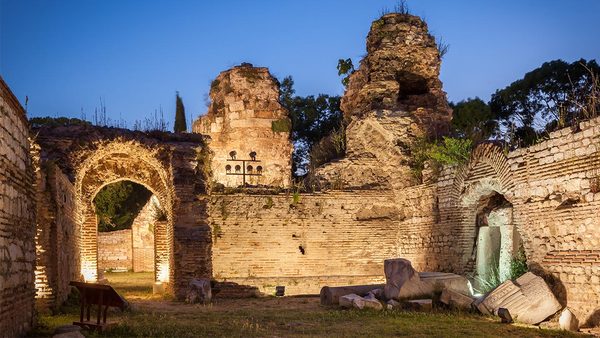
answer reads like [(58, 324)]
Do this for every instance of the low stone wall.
[(115, 250), (302, 242), (17, 219)]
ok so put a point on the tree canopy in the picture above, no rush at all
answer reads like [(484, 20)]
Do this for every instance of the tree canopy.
[(473, 119), (554, 95), (313, 118), (118, 204)]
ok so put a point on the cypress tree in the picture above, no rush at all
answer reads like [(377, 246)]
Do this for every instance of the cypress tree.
[(180, 125)]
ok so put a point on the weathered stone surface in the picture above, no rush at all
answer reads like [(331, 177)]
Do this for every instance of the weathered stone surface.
[(456, 299), (425, 305), (438, 281), (403, 282), (568, 321), (347, 301), (17, 219), (393, 304), (528, 299), (504, 314), (199, 291), (400, 71), (392, 100), (245, 116), (371, 303), (399, 274), (330, 294)]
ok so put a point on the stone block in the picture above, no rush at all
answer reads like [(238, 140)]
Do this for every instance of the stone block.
[(567, 321), (403, 282), (456, 299), (424, 305), (528, 299), (199, 291), (347, 301)]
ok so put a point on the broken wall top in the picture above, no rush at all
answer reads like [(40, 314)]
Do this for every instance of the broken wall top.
[(242, 93), (399, 73), (68, 146)]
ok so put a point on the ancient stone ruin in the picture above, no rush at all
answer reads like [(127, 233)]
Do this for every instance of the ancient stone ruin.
[(392, 100), (17, 218), (543, 198), (246, 122)]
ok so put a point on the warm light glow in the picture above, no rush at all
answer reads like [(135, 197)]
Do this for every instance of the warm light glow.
[(89, 272), (162, 273)]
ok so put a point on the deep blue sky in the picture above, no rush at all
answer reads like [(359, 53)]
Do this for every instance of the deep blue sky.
[(65, 55)]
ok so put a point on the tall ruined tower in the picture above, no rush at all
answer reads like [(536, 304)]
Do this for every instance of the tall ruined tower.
[(246, 121), (392, 101)]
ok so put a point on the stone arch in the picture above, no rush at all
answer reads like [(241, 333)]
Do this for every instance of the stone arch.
[(487, 173), (115, 161)]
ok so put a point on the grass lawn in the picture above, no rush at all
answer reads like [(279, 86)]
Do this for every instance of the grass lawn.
[(154, 316)]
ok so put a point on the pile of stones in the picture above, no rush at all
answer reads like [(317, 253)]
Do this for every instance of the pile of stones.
[(528, 299)]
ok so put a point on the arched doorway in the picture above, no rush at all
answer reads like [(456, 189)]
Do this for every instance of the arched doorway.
[(497, 241), (115, 163), (127, 214)]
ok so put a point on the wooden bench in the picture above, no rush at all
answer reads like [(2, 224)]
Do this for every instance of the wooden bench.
[(96, 294)]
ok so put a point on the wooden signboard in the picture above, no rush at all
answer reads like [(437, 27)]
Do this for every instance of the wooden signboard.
[(101, 295)]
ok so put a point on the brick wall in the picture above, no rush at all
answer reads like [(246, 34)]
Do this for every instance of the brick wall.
[(554, 189), (17, 219), (142, 232), (57, 236), (333, 238), (115, 250)]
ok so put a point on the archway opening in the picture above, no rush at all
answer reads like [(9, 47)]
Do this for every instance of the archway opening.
[(497, 243), (128, 217)]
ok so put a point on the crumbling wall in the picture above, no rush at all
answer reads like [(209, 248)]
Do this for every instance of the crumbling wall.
[(57, 235), (302, 242), (554, 191), (115, 250), (245, 116), (170, 165), (393, 101), (17, 219)]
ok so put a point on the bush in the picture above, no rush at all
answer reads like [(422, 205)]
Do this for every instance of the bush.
[(452, 151), (329, 148), (283, 125), (518, 265)]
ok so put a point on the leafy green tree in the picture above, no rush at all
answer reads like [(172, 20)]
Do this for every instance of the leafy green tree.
[(473, 119), (313, 118), (451, 151), (345, 68), (180, 125), (118, 204), (554, 95)]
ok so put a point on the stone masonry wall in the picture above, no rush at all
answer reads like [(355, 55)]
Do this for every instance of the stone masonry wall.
[(57, 236), (553, 187), (554, 190), (17, 219), (142, 234), (245, 116), (115, 250), (303, 243)]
